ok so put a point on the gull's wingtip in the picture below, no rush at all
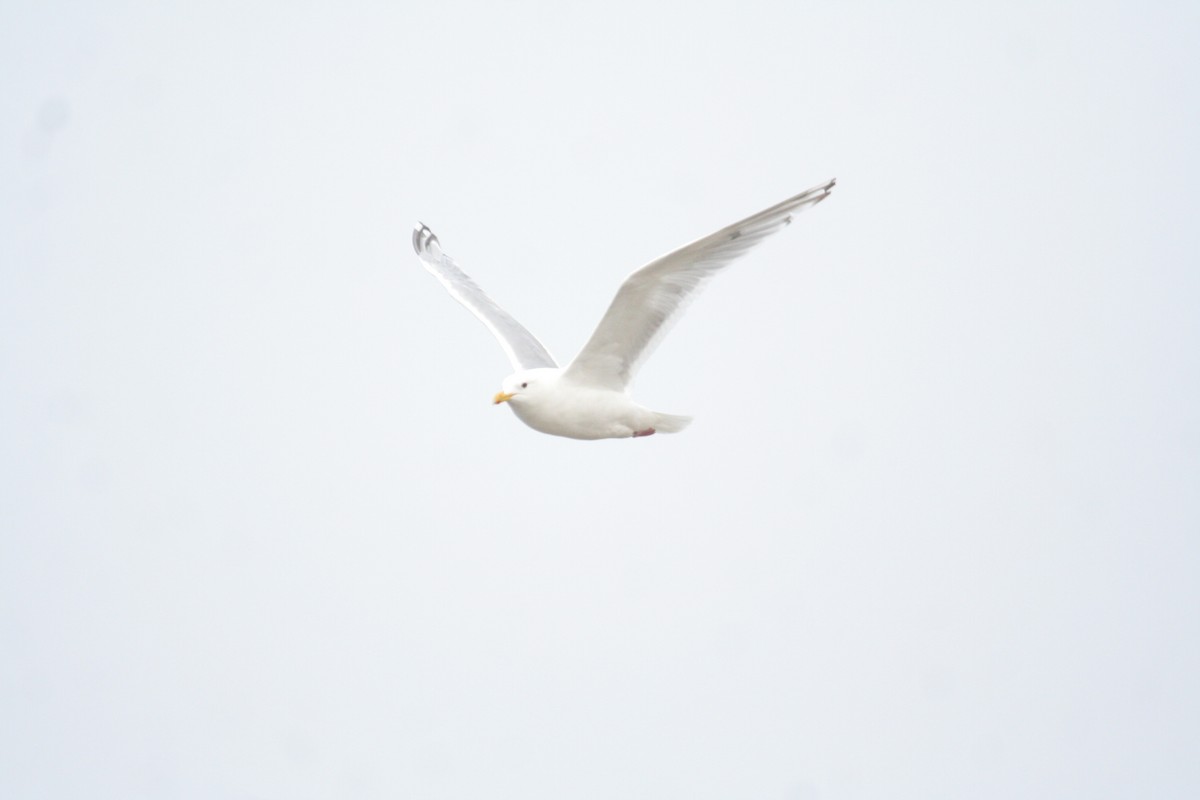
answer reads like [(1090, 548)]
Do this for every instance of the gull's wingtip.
[(824, 189), (423, 238)]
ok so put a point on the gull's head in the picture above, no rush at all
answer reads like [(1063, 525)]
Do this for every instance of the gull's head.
[(525, 385)]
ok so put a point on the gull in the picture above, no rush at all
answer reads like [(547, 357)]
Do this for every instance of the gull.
[(589, 398)]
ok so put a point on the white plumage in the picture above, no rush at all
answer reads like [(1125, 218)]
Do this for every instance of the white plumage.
[(589, 399)]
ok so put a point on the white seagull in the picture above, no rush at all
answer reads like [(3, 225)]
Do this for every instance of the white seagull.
[(589, 398)]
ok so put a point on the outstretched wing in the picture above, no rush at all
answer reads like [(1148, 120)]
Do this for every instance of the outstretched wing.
[(653, 297), (521, 346)]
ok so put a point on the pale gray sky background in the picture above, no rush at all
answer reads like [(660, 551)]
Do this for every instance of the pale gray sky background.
[(935, 532)]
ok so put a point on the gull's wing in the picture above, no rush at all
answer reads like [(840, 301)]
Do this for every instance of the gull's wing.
[(521, 346), (652, 298)]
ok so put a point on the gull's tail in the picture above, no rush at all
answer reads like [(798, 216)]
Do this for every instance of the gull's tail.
[(670, 423)]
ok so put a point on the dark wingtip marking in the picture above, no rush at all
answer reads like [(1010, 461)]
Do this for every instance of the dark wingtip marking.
[(423, 238)]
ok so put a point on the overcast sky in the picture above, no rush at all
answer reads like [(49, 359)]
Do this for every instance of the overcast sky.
[(934, 533)]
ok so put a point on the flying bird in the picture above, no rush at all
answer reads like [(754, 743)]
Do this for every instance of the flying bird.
[(589, 398)]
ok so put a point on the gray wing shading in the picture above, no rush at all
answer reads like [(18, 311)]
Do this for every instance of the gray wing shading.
[(522, 347), (653, 297)]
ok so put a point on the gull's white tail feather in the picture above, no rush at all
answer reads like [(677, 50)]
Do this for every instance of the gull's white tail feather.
[(670, 423)]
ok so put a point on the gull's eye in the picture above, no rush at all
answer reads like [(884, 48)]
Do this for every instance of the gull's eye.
[(525, 385)]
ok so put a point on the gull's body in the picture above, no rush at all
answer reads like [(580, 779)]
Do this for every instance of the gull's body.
[(549, 400), (589, 398)]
